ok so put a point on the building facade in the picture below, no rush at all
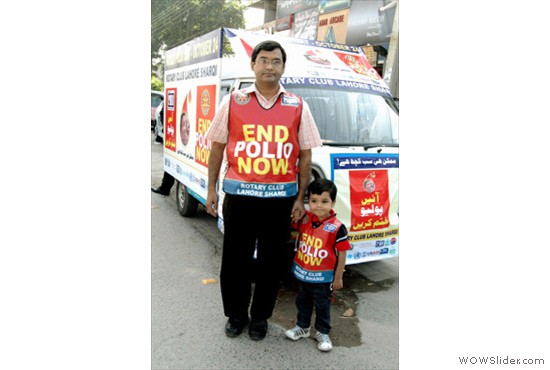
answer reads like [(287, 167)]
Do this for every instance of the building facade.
[(370, 24)]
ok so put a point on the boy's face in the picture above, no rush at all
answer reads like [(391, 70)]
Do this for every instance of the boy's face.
[(321, 204)]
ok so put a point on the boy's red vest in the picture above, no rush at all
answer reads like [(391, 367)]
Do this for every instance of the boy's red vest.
[(315, 260), (263, 148)]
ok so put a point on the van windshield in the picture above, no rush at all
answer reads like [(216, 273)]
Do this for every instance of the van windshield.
[(348, 117)]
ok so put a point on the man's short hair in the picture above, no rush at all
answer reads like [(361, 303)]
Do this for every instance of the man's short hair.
[(268, 46)]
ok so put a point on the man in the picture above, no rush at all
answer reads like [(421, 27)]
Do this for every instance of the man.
[(165, 185), (267, 134)]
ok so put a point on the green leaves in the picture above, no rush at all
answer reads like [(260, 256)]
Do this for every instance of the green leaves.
[(174, 22)]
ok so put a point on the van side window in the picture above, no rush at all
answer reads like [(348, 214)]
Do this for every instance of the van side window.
[(352, 117), (224, 90), (245, 84)]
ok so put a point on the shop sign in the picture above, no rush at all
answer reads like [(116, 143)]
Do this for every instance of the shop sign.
[(283, 23), (288, 7), (327, 6), (367, 25), (304, 25)]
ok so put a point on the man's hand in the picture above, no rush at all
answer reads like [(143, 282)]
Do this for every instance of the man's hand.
[(298, 210), (212, 204)]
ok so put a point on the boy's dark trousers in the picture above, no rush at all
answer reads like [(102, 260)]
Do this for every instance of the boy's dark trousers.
[(317, 295)]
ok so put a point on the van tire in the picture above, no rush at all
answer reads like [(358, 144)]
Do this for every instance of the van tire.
[(187, 205)]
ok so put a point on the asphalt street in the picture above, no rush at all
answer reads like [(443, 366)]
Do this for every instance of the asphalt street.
[(187, 316)]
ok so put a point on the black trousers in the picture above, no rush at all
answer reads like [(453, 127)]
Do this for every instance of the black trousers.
[(167, 182), (247, 220)]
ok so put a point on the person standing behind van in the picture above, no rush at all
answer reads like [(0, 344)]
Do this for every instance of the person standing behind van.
[(267, 135)]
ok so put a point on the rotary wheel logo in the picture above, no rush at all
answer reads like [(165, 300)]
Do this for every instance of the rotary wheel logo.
[(205, 102), (242, 98)]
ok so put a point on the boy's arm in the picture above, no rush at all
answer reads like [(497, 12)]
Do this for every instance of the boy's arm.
[(339, 273)]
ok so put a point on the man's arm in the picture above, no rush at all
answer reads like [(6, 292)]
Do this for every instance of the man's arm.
[(214, 165), (298, 210)]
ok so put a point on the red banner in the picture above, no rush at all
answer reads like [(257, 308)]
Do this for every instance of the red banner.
[(170, 118), (206, 108), (369, 199)]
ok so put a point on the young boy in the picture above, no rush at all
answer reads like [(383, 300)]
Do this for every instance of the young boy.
[(319, 262)]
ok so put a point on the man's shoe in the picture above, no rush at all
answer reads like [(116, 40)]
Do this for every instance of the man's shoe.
[(234, 327), (257, 330), (161, 191)]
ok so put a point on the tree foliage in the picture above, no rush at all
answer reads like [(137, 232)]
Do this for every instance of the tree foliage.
[(174, 22), (157, 84)]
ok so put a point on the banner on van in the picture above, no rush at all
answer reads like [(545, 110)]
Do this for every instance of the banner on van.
[(192, 81), (170, 129), (368, 203), (201, 49), (313, 62)]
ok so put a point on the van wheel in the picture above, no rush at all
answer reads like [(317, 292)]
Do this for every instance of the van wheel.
[(187, 205)]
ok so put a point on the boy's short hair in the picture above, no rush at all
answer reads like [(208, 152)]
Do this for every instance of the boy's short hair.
[(319, 186), (268, 45)]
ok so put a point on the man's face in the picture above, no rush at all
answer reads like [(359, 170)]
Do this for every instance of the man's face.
[(269, 66)]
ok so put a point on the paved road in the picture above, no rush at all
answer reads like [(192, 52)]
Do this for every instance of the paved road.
[(187, 319)]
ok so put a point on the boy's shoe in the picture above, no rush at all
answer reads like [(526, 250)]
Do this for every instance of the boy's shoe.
[(297, 332), (325, 344)]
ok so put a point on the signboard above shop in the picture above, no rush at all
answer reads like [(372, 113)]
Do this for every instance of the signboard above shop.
[(288, 7), (332, 27), (367, 25), (304, 25), (365, 21), (283, 23), (327, 6)]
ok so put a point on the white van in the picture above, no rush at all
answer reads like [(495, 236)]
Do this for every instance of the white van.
[(352, 106)]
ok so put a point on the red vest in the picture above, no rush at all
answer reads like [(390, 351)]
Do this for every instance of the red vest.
[(263, 148), (316, 259)]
